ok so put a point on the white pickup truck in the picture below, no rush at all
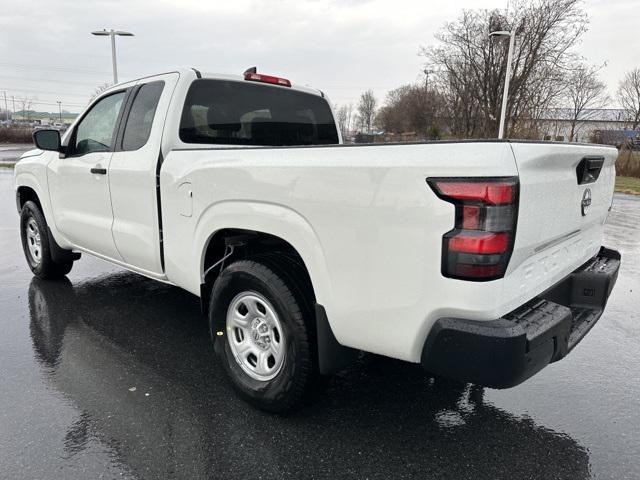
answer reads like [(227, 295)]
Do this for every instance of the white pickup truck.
[(481, 260)]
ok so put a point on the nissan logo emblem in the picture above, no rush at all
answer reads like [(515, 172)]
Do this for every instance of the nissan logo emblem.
[(586, 201)]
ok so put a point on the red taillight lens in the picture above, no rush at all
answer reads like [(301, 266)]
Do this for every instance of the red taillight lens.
[(497, 193), (480, 245), (259, 77), (470, 271), (483, 243)]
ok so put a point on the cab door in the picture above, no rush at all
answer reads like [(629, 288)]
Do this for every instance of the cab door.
[(79, 179), (134, 171)]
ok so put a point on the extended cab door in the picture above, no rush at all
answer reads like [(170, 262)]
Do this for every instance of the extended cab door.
[(133, 174), (79, 180)]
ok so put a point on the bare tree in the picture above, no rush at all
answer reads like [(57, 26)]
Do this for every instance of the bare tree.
[(98, 90), (472, 66), (584, 94), (393, 115), (26, 104), (341, 119), (367, 110), (350, 118), (629, 96), (344, 116), (413, 109)]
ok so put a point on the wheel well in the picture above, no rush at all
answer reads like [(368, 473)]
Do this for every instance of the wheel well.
[(24, 194), (245, 243), (332, 356)]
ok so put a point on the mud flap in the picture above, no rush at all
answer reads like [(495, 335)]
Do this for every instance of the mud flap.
[(58, 254), (332, 357)]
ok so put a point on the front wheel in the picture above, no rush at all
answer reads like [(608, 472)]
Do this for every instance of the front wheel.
[(262, 327), (36, 246)]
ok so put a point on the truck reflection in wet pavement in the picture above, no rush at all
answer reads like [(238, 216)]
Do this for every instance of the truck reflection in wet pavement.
[(134, 357)]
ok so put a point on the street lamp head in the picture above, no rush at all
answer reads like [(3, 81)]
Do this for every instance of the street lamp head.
[(500, 33), (112, 34), (106, 33)]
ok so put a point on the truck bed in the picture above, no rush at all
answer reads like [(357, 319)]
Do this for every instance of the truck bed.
[(370, 229)]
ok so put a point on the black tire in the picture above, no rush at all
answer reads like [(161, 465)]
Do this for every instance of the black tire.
[(44, 267), (280, 282)]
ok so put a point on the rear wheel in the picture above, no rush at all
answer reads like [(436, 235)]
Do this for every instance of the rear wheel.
[(262, 328), (36, 246), (255, 335)]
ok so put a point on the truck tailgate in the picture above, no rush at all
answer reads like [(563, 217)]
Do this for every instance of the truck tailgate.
[(562, 211)]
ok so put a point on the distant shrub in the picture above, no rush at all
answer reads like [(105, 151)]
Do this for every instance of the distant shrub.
[(628, 163), (16, 135)]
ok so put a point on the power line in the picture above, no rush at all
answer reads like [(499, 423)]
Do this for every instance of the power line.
[(38, 102), (19, 90), (55, 68), (48, 80), (45, 102), (356, 87)]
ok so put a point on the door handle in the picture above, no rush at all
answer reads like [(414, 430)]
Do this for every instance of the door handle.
[(99, 170)]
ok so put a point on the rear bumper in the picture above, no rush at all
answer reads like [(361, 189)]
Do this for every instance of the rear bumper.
[(503, 353)]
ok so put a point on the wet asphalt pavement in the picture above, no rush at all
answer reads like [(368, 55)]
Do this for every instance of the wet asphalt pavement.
[(10, 152), (111, 375)]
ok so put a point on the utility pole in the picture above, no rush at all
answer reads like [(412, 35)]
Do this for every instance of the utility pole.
[(60, 109), (112, 34), (507, 79), (6, 109)]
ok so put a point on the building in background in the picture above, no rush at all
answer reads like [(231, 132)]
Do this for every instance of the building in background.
[(556, 123)]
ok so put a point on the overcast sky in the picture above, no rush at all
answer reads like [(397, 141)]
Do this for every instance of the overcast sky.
[(340, 46)]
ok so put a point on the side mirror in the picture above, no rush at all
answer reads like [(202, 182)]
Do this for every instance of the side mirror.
[(47, 140)]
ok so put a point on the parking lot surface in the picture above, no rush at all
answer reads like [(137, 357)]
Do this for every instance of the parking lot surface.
[(111, 375), (10, 152)]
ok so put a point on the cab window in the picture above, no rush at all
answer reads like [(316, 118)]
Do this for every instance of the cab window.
[(245, 113), (95, 132), (140, 119)]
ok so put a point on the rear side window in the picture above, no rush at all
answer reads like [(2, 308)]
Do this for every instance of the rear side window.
[(235, 113), (140, 120)]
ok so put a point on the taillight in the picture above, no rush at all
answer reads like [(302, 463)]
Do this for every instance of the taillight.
[(480, 244), (259, 77)]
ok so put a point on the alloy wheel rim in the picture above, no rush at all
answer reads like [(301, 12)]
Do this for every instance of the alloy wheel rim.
[(33, 240), (255, 336)]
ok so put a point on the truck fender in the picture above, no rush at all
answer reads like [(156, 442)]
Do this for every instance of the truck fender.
[(272, 219), (30, 180), (287, 224)]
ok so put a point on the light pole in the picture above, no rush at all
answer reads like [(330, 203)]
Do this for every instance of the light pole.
[(427, 72), (507, 78), (6, 109), (112, 33), (60, 109)]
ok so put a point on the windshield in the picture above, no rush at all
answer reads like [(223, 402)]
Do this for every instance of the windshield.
[(242, 113)]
